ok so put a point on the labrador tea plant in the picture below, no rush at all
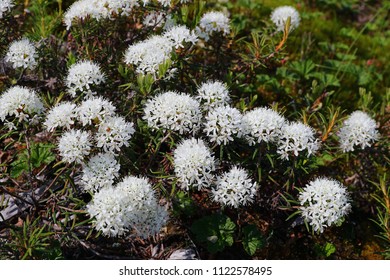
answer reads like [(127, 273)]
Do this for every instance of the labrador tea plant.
[(232, 129)]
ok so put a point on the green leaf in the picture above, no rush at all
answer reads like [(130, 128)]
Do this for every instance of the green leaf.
[(327, 79), (18, 167), (40, 154), (182, 204), (215, 231), (163, 68), (329, 249), (303, 68), (252, 239), (145, 83), (184, 13), (325, 250), (324, 160)]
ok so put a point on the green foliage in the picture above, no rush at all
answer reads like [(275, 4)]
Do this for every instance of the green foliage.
[(252, 239), (383, 211), (183, 205), (303, 68), (33, 241), (325, 250), (145, 83), (339, 5), (46, 18), (34, 157), (215, 231)]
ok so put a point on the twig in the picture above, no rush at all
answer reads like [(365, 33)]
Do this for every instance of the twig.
[(16, 196), (105, 256), (54, 180)]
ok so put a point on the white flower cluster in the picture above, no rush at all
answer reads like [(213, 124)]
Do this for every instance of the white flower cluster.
[(108, 131), (95, 110), (109, 207), (280, 15), (359, 129), (81, 76), (119, 7), (113, 133), (324, 202), (164, 3), (296, 137), (5, 6), (213, 22), (100, 172), (173, 111), (22, 54), (62, 115), (180, 34), (262, 124), (149, 54), (98, 9), (194, 164), (223, 124), (81, 10), (74, 145), (167, 3), (131, 205), (212, 94), (20, 102), (234, 188)]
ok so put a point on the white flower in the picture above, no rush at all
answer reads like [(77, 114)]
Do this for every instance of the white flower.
[(95, 110), (154, 19), (5, 6), (113, 133), (109, 206), (22, 54), (145, 2), (234, 188), (296, 137), (194, 164), (129, 206), (74, 145), (280, 15), (10, 125), (324, 202), (146, 216), (81, 76), (212, 94), (178, 35), (62, 115), (98, 9), (165, 3), (81, 10), (223, 124), (173, 111), (262, 124), (213, 22), (359, 129), (100, 172), (20, 102), (119, 7), (147, 55)]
